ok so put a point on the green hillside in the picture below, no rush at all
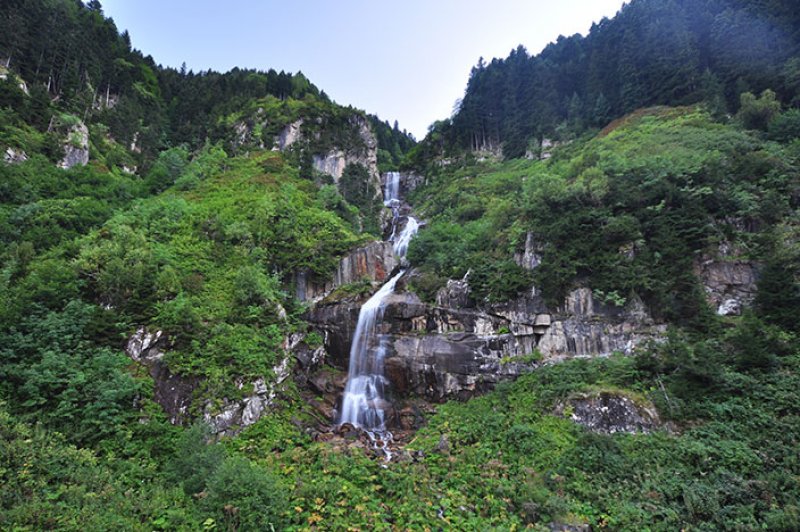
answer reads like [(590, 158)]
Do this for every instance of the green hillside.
[(161, 231)]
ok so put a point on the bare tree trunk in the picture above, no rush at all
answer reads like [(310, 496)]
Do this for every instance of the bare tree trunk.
[(39, 63)]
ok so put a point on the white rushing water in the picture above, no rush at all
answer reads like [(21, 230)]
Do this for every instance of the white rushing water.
[(363, 404), (402, 241), (391, 189)]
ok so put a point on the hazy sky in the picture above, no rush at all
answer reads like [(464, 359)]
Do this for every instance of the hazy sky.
[(404, 60)]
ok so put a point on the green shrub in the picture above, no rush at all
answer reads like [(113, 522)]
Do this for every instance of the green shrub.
[(786, 126), (195, 460), (244, 496), (757, 113)]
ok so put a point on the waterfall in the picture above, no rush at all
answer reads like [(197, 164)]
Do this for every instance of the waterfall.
[(401, 242), (363, 404), (391, 190), (391, 199)]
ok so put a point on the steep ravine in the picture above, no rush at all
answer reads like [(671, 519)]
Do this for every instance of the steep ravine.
[(454, 348), (458, 347)]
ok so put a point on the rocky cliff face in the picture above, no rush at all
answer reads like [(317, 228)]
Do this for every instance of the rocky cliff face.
[(360, 146), (288, 136), (334, 161), (76, 147), (730, 284), (374, 262), (176, 393), (409, 181), (456, 349)]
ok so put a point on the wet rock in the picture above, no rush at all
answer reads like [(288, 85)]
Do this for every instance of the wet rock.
[(610, 413), (409, 418), (440, 352), (730, 284), (348, 431), (409, 181)]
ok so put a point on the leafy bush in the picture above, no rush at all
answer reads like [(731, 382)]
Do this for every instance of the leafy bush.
[(195, 460), (757, 113), (786, 126), (243, 496)]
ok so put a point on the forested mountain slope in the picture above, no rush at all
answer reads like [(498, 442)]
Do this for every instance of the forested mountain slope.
[(596, 331), (653, 52)]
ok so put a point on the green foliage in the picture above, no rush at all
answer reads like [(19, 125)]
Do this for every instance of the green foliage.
[(195, 460), (58, 377), (358, 190), (785, 127), (465, 233), (170, 165), (625, 213), (758, 113), (243, 496), (205, 246), (47, 483), (778, 296)]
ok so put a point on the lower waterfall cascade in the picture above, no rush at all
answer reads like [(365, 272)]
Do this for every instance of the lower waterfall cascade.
[(363, 404)]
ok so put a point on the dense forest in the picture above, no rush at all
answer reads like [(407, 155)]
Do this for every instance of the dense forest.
[(674, 52), (156, 223), (72, 55)]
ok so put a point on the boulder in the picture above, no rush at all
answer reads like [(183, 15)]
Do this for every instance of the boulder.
[(610, 412), (14, 156)]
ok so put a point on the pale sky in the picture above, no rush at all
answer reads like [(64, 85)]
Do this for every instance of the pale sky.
[(403, 60)]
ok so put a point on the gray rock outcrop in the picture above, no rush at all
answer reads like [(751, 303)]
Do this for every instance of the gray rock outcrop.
[(357, 143), (455, 349), (289, 135), (610, 413), (76, 147), (176, 393), (173, 392), (730, 284), (531, 256), (14, 156), (365, 153)]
